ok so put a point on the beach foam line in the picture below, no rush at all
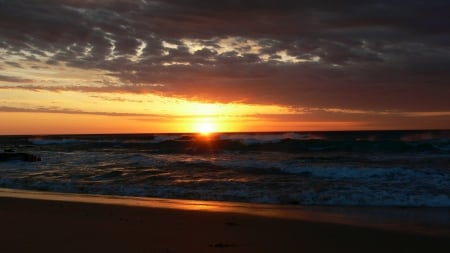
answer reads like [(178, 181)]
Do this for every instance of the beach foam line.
[(431, 221)]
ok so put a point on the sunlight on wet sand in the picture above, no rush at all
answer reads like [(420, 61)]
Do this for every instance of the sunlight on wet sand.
[(433, 221)]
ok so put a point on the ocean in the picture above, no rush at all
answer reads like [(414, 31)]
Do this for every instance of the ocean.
[(359, 168)]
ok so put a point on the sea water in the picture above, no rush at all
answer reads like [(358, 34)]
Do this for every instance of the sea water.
[(364, 168)]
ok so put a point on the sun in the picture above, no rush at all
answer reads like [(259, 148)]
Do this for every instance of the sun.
[(205, 127)]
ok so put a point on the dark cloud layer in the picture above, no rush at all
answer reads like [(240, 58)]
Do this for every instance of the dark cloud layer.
[(71, 111), (14, 79), (365, 55)]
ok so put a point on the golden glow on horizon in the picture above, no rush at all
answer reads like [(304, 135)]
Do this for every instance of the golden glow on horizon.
[(150, 104), (205, 127), (60, 99), (66, 100), (118, 113)]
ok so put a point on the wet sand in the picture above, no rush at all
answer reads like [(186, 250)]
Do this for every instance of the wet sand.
[(40, 222)]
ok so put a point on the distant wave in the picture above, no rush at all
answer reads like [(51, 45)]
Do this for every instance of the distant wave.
[(280, 142)]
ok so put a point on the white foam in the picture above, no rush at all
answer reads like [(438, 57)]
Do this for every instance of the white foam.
[(281, 179)]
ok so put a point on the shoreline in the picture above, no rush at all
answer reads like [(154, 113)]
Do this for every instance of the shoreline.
[(53, 222), (433, 221)]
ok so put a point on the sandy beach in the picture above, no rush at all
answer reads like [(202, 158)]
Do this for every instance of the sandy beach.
[(43, 222)]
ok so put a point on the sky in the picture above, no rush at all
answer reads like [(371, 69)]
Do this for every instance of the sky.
[(143, 66)]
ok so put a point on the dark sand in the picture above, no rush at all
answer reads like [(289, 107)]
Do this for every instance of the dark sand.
[(42, 225)]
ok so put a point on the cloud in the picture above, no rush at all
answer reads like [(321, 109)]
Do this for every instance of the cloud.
[(14, 79), (360, 55), (71, 111)]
